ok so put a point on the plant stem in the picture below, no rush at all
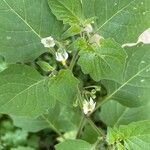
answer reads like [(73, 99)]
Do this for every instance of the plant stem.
[(53, 127), (74, 59), (52, 51), (101, 103), (98, 130), (96, 143), (81, 126), (83, 119)]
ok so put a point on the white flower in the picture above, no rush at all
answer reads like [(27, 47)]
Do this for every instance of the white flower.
[(88, 106), (48, 42), (88, 28), (62, 56), (96, 38)]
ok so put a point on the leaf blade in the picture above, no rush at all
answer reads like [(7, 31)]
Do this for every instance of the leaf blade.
[(134, 90), (106, 61), (131, 135), (66, 10), (21, 31)]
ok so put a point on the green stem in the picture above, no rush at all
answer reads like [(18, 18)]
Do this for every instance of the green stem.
[(83, 119), (80, 98), (81, 126), (101, 103), (98, 130), (53, 127), (74, 59), (52, 51), (96, 143)]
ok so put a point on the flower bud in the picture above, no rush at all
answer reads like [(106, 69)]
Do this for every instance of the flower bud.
[(96, 38), (88, 28)]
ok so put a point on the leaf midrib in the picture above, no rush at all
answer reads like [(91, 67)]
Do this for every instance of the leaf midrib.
[(22, 19), (69, 10), (124, 84), (114, 15), (24, 91)]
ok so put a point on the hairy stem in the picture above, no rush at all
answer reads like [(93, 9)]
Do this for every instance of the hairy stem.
[(98, 130), (74, 59), (81, 126), (99, 139)]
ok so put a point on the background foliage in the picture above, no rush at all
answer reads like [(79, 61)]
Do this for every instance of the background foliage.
[(40, 99)]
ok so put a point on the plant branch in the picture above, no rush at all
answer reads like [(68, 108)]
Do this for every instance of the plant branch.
[(81, 126), (83, 119), (74, 59), (101, 103), (98, 130)]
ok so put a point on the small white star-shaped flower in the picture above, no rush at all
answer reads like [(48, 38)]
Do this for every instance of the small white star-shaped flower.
[(48, 42), (62, 56), (88, 28), (88, 106)]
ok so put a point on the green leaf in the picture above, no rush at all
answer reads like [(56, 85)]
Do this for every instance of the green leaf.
[(69, 11), (106, 61), (63, 88), (23, 91), (134, 90), (120, 146), (122, 20), (88, 133), (45, 66), (73, 30), (135, 135), (114, 114), (21, 30), (60, 118), (29, 124), (74, 145)]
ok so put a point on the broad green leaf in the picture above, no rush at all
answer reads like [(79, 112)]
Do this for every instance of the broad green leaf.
[(23, 24), (63, 88), (134, 89), (135, 135), (73, 30), (123, 20), (88, 133), (23, 91), (60, 118), (106, 61), (30, 124), (45, 66), (69, 11), (114, 114), (74, 145)]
